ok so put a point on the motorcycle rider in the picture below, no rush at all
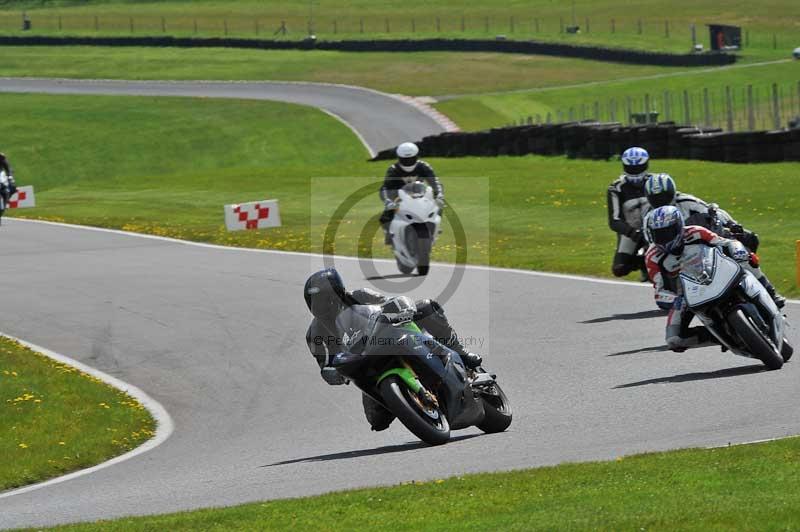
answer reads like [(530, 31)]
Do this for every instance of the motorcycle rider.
[(7, 190), (407, 169), (625, 203), (660, 190), (326, 297), (665, 259)]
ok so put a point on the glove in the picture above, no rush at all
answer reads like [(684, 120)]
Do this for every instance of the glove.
[(333, 377), (738, 252), (440, 201), (634, 234), (389, 204)]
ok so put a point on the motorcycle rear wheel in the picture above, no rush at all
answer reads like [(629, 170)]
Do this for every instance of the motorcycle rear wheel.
[(403, 268), (398, 398), (754, 340), (497, 409)]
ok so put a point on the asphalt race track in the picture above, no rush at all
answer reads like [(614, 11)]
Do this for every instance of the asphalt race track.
[(382, 120), (216, 335)]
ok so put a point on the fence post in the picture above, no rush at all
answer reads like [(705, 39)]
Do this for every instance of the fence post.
[(163, 25), (361, 25), (195, 26), (687, 114), (130, 23), (438, 25), (587, 24), (386, 26), (774, 42), (706, 108), (225, 22), (776, 110), (647, 108), (59, 23), (639, 24), (667, 106), (96, 23), (549, 118), (463, 24), (597, 110), (751, 115), (666, 29), (628, 106), (694, 35), (335, 27), (613, 26), (612, 109), (729, 105)]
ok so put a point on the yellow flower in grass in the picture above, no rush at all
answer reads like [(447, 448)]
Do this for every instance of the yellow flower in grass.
[(23, 445)]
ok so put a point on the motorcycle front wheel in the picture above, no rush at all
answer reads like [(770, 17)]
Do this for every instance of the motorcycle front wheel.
[(754, 339), (497, 409), (427, 423)]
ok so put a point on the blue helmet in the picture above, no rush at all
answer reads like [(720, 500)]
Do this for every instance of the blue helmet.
[(660, 190), (664, 228), (634, 163)]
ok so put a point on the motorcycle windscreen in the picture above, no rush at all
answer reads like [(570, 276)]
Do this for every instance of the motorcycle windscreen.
[(710, 282)]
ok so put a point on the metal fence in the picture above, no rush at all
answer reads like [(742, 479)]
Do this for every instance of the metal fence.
[(513, 24), (748, 108)]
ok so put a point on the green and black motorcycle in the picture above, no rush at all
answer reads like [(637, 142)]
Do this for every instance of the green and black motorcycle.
[(419, 380)]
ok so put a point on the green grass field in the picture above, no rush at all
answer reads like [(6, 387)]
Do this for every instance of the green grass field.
[(94, 166), (426, 73), (57, 419), (751, 487), (483, 111), (540, 19)]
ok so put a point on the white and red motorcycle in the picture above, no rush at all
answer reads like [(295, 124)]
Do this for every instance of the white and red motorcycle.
[(415, 227)]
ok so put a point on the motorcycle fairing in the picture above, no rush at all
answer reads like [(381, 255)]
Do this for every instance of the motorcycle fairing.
[(711, 280)]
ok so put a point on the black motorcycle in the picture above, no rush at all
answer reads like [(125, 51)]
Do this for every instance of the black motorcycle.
[(416, 378)]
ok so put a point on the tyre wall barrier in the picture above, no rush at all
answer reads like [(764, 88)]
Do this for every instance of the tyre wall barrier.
[(597, 53), (597, 140)]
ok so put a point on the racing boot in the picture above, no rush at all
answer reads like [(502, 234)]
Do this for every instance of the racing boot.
[(779, 300), (378, 417), (387, 236)]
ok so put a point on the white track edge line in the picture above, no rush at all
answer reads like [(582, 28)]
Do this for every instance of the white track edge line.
[(535, 273), (164, 423), (352, 128)]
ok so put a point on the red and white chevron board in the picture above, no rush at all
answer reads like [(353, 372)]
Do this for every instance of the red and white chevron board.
[(253, 215), (22, 198)]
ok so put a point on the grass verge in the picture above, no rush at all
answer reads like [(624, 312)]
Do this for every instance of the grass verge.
[(96, 167), (421, 73), (57, 419), (695, 489)]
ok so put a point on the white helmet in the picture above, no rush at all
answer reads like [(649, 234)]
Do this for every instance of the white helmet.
[(634, 162), (407, 156)]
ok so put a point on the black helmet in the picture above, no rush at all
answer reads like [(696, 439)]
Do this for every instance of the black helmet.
[(325, 294)]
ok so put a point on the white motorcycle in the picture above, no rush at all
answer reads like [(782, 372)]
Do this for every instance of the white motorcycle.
[(734, 307), (415, 227)]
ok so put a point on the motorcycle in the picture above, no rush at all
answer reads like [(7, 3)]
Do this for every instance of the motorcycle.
[(734, 306), (422, 382), (4, 187), (415, 227)]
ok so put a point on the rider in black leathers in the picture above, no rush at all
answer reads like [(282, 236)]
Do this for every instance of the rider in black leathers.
[(326, 297), (408, 168), (11, 188)]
